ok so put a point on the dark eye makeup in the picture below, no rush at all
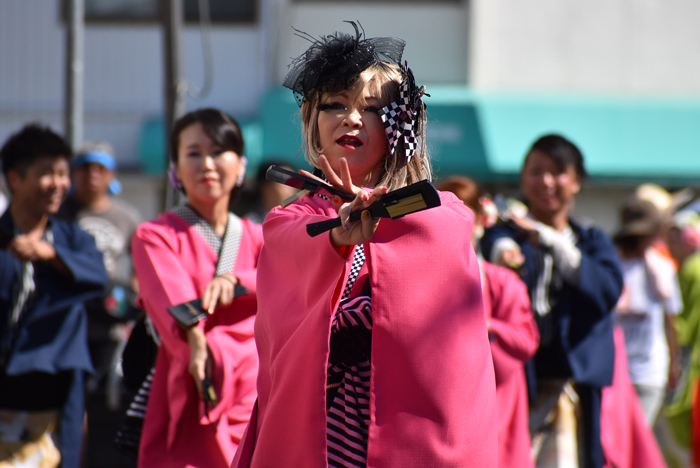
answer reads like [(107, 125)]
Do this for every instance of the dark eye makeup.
[(330, 106), (338, 106)]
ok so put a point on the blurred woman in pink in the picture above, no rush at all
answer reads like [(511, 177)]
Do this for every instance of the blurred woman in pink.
[(203, 390), (512, 333)]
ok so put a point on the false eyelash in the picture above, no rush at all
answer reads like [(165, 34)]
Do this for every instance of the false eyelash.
[(324, 106)]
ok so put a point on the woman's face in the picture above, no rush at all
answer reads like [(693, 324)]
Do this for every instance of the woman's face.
[(207, 171), (548, 189), (349, 127)]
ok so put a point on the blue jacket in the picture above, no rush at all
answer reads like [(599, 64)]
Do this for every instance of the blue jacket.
[(50, 335), (583, 347)]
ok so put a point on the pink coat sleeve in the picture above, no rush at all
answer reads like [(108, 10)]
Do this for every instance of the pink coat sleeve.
[(298, 275), (513, 330), (154, 251)]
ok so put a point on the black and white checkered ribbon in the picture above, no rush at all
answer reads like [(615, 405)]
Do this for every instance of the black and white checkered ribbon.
[(357, 261), (226, 250), (399, 120)]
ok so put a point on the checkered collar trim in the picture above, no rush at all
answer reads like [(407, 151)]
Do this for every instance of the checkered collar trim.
[(226, 250)]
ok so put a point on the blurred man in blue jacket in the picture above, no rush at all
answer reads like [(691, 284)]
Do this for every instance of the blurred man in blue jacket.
[(48, 268), (573, 279)]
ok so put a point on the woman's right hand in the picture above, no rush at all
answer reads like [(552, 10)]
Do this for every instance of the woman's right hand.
[(219, 291), (357, 232), (199, 365)]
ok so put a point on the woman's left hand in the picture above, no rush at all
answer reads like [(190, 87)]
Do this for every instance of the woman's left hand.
[(219, 291)]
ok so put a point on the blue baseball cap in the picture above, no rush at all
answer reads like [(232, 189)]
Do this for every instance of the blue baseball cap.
[(104, 159), (99, 157)]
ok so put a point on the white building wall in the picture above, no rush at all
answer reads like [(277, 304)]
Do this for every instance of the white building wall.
[(622, 47), (436, 33), (639, 47), (123, 73)]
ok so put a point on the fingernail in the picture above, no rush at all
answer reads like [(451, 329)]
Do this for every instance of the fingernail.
[(335, 199), (365, 197), (365, 214), (347, 226)]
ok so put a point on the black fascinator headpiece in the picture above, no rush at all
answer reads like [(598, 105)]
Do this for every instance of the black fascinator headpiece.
[(334, 62)]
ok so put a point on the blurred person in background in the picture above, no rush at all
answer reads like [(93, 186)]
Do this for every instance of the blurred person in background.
[(512, 334), (666, 203), (203, 388), (111, 222), (267, 194), (650, 298), (48, 269), (574, 280), (684, 412)]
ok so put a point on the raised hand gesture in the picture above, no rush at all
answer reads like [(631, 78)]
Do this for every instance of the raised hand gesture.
[(350, 233)]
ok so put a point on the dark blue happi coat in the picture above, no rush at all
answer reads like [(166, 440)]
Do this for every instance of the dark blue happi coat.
[(581, 343), (50, 335)]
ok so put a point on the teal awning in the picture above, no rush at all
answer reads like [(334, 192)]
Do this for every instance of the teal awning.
[(486, 135), (620, 138)]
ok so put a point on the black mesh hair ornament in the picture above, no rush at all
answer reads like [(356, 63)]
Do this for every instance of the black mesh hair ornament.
[(333, 63)]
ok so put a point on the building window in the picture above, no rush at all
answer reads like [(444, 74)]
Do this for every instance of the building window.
[(146, 11)]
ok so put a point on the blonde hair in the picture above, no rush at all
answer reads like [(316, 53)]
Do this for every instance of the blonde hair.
[(383, 80)]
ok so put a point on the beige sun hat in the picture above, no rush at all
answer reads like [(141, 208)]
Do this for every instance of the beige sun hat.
[(638, 218), (666, 202)]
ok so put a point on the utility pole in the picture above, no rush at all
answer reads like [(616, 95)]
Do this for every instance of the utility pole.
[(172, 12), (75, 70)]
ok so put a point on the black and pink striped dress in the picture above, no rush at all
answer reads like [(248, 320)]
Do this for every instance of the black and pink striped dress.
[(349, 371)]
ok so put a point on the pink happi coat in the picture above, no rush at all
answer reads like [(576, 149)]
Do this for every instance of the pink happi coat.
[(433, 398), (627, 440), (174, 264), (514, 340)]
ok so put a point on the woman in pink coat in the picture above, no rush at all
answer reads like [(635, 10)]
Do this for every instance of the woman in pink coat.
[(203, 389), (513, 335), (372, 337)]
